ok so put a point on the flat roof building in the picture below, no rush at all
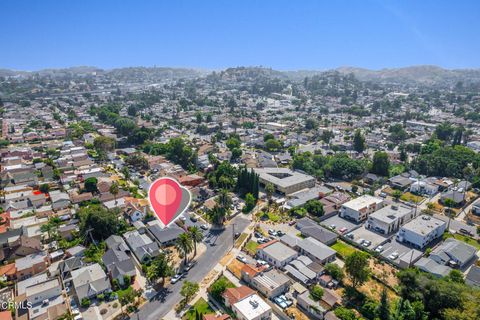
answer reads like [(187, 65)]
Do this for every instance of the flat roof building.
[(285, 181), (390, 218), (359, 208), (421, 231)]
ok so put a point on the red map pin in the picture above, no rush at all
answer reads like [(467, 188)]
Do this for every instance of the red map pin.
[(168, 199)]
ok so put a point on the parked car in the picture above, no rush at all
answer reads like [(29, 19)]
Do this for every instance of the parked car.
[(204, 226), (393, 256), (257, 234), (271, 232), (176, 278), (242, 259), (261, 262), (193, 218), (190, 265), (333, 227), (350, 236), (343, 230), (366, 243), (379, 249), (280, 233), (291, 223), (237, 234)]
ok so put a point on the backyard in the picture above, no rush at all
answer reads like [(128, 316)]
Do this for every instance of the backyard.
[(201, 307), (343, 249), (251, 247), (463, 238)]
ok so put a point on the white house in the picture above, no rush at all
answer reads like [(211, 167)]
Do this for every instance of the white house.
[(252, 308), (358, 209), (424, 187), (389, 219), (421, 231), (276, 253)]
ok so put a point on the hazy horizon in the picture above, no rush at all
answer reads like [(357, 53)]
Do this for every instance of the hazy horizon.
[(216, 35)]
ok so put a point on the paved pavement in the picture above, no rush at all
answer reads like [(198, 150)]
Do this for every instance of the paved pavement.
[(166, 300)]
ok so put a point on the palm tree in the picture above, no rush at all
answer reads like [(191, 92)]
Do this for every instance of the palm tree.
[(184, 244), (224, 201), (114, 190), (197, 236), (217, 215), (48, 228)]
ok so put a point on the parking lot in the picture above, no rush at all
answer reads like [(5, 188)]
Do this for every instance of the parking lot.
[(396, 248), (339, 224), (361, 234)]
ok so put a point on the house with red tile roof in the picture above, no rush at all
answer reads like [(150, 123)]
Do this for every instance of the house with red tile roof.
[(234, 295)]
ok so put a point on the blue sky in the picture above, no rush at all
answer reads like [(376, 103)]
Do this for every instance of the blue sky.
[(285, 35)]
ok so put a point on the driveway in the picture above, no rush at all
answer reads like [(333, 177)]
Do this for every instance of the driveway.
[(166, 299)]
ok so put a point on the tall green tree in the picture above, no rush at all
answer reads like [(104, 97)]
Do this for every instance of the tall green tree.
[(197, 236), (357, 268), (358, 141), (381, 163), (383, 309), (184, 245), (188, 290), (160, 268)]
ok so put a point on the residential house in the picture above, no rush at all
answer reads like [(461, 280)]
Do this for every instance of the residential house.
[(316, 250), (47, 299), (310, 228), (359, 208), (312, 307), (390, 218), (272, 283), (60, 200), (164, 236), (473, 277), (119, 265), (236, 294), (276, 253), (89, 281), (454, 253), (252, 308), (142, 247), (31, 265), (421, 231)]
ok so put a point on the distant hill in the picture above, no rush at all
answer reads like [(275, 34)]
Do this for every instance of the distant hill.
[(427, 75)]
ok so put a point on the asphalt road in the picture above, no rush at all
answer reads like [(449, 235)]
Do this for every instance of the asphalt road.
[(166, 300)]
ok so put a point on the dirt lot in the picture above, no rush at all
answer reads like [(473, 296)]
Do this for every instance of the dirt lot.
[(297, 314), (235, 268), (384, 271), (226, 258)]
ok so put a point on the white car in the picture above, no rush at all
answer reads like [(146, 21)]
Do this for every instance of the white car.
[(242, 258), (379, 249), (393, 256), (176, 278)]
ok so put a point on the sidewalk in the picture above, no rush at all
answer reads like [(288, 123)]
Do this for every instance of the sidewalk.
[(219, 268)]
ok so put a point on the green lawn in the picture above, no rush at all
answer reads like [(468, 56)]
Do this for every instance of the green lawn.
[(463, 238), (201, 306), (123, 292), (273, 217), (251, 247), (343, 248), (410, 197), (240, 239)]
